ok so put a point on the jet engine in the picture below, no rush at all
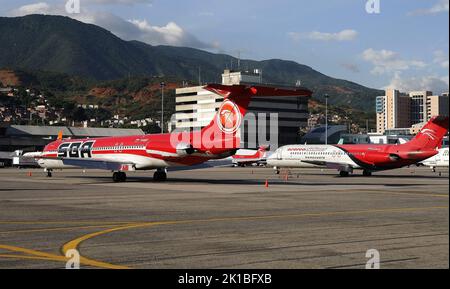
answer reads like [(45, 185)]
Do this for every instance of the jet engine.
[(185, 149)]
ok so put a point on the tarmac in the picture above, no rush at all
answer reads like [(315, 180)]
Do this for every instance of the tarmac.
[(225, 218)]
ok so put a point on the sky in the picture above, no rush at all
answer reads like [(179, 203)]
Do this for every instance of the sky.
[(400, 44)]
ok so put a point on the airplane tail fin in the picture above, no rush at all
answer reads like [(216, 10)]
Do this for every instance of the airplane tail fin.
[(264, 148), (262, 151), (431, 135), (223, 130)]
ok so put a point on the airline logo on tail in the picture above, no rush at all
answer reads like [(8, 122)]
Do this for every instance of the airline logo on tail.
[(430, 133), (229, 117)]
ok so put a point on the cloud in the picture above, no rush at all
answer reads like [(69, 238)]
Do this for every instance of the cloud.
[(46, 9), (344, 35), (433, 83), (441, 58), (171, 34), (442, 6), (36, 8), (141, 30), (386, 61)]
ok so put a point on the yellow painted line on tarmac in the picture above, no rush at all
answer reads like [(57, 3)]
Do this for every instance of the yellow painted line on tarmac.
[(34, 253), (12, 256), (39, 255), (75, 244), (56, 229), (59, 222)]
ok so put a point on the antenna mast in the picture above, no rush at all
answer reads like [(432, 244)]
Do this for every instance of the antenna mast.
[(239, 60)]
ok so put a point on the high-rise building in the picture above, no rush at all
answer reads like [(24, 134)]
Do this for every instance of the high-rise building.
[(419, 106), (396, 110), (196, 107), (393, 111), (437, 105), (381, 115)]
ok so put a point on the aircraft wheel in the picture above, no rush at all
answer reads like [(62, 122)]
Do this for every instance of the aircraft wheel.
[(160, 176), (367, 173), (116, 177), (119, 177), (344, 174), (49, 174)]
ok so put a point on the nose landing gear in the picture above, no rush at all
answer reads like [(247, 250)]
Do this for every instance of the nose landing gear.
[(344, 174), (160, 176), (49, 173)]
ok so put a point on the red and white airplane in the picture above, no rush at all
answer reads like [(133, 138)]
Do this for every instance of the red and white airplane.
[(250, 157), (367, 157), (179, 150)]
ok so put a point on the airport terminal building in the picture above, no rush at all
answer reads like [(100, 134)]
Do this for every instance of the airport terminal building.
[(34, 138), (196, 107)]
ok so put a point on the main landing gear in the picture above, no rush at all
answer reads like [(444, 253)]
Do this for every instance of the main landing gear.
[(119, 177), (344, 174), (367, 173), (160, 176)]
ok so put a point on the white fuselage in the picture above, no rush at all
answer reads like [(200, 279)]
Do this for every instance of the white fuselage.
[(307, 156), (438, 161)]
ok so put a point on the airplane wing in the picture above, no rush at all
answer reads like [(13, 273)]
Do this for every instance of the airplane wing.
[(330, 165), (97, 164), (209, 164)]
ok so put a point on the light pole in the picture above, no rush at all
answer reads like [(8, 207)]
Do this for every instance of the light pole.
[(163, 84), (326, 119)]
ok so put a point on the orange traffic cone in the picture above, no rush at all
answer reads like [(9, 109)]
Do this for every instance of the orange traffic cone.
[(30, 174), (267, 183)]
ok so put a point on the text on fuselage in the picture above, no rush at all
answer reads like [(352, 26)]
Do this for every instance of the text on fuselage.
[(76, 149)]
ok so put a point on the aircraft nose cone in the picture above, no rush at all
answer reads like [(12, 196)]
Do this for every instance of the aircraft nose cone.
[(273, 156)]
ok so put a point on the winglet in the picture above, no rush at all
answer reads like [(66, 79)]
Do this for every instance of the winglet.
[(60, 135)]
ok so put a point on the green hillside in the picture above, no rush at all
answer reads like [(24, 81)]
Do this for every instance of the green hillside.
[(63, 45)]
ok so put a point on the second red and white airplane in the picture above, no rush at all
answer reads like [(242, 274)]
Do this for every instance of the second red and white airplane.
[(245, 158), (367, 157), (179, 150)]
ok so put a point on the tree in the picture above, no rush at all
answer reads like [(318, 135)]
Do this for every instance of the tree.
[(79, 114)]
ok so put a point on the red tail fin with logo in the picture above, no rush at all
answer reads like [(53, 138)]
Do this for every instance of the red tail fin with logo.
[(431, 135), (222, 131)]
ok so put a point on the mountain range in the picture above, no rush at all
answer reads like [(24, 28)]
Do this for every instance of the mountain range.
[(64, 45)]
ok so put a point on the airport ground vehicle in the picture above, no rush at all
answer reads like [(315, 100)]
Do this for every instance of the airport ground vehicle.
[(27, 160), (160, 152), (367, 157)]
